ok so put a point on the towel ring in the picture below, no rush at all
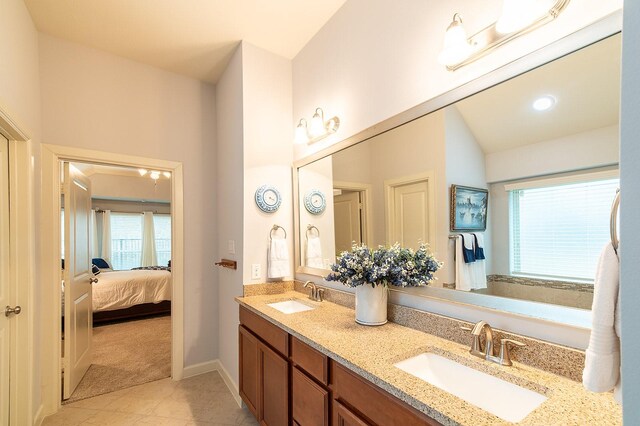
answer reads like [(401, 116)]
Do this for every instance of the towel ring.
[(310, 228), (275, 228), (613, 222)]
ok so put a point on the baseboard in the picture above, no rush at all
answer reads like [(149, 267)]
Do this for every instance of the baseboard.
[(231, 384), (39, 417), (201, 368)]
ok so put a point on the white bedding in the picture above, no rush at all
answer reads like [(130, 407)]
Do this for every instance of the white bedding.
[(123, 289)]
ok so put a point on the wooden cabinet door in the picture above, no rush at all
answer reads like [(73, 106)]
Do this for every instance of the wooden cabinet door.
[(249, 369), (342, 416), (274, 388), (310, 401)]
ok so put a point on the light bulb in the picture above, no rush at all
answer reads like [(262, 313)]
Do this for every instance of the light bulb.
[(301, 135), (456, 46), (317, 124), (516, 15), (167, 175), (154, 175), (544, 103), (142, 172)]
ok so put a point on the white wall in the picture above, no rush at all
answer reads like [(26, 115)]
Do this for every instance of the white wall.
[(465, 166), (230, 205), (630, 205), (254, 148), (376, 58), (317, 175), (20, 98), (267, 152), (95, 100), (584, 150), (130, 187)]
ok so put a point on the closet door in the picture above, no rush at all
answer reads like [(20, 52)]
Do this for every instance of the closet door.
[(78, 278)]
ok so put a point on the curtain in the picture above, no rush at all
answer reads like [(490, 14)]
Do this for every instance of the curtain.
[(106, 236), (149, 257), (95, 250)]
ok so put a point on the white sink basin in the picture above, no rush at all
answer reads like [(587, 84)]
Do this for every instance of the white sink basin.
[(508, 401), (290, 306)]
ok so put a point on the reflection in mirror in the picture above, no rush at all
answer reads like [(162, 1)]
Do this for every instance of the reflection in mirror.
[(544, 145)]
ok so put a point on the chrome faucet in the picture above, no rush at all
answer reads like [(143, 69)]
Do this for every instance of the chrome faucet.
[(316, 294), (504, 358)]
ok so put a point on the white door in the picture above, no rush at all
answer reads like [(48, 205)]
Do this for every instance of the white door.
[(5, 321), (347, 220), (410, 214), (78, 315)]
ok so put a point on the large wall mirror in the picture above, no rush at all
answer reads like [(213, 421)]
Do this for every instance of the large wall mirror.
[(535, 157)]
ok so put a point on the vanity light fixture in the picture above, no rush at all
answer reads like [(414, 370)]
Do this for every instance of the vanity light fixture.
[(544, 103), (154, 174), (518, 17), (317, 129)]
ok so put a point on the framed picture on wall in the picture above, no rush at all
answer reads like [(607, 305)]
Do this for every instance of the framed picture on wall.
[(468, 208)]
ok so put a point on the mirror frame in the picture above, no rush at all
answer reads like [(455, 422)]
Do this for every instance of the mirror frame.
[(580, 318)]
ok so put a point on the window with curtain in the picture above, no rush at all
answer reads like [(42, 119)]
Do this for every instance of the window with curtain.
[(558, 231), (126, 240), (162, 225)]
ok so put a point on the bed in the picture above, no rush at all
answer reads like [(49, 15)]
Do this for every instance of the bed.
[(132, 293), (124, 294)]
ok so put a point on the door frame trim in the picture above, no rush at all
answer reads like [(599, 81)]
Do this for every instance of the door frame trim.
[(21, 271), (365, 189), (389, 201), (51, 158)]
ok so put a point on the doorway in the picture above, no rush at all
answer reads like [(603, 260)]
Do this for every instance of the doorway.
[(116, 270), (410, 210), (352, 210), (53, 158)]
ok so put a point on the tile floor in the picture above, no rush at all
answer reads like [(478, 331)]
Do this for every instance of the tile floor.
[(200, 400)]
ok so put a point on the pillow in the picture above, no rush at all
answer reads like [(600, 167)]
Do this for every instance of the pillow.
[(95, 269), (100, 263)]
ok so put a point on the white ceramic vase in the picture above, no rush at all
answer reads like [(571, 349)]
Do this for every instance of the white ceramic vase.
[(371, 304)]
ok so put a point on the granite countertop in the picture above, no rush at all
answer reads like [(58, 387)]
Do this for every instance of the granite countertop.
[(372, 351)]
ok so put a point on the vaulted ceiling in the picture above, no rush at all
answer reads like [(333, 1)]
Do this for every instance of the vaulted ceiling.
[(195, 38)]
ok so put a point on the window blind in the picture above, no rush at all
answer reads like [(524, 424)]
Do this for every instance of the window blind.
[(558, 232), (126, 240)]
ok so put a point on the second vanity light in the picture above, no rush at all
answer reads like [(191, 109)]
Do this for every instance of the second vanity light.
[(518, 17), (317, 129)]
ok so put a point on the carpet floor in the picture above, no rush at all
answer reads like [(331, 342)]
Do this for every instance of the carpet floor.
[(127, 354)]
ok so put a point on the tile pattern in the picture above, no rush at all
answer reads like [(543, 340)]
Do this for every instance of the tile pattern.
[(199, 400), (561, 285), (372, 351)]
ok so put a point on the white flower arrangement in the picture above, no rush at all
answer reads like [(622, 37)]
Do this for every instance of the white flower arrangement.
[(395, 265)]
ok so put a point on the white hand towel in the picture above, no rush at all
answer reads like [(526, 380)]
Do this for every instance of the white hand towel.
[(469, 276), (314, 252), (278, 258), (463, 272), (478, 268), (602, 362)]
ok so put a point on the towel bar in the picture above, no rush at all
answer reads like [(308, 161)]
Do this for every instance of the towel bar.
[(311, 228), (613, 222), (275, 228)]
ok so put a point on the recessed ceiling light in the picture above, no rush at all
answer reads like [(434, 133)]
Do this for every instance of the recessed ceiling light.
[(543, 103)]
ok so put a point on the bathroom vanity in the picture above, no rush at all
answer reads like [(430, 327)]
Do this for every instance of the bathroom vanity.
[(318, 367)]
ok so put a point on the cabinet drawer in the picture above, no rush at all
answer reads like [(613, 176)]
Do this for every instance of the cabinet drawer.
[(310, 360), (274, 336), (378, 406), (310, 402)]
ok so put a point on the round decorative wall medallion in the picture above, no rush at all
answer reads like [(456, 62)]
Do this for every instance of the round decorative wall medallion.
[(315, 202), (268, 198)]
